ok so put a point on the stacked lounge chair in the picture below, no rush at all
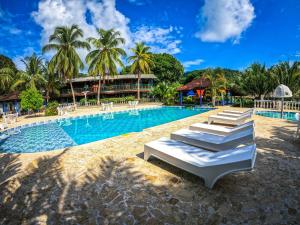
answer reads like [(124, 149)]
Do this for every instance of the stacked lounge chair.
[(208, 151)]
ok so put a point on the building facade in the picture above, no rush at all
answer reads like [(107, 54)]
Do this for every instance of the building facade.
[(111, 86)]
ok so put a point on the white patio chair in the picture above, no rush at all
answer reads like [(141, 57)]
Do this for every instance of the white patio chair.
[(211, 166), (215, 142), (221, 130), (228, 120)]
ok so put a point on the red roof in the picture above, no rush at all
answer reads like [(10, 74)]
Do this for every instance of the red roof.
[(10, 96), (197, 83)]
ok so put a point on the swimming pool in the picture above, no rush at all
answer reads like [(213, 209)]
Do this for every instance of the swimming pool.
[(275, 114), (62, 133)]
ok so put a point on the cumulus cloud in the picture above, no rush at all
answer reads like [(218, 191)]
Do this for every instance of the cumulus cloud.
[(103, 14), (190, 63), (160, 39), (224, 19)]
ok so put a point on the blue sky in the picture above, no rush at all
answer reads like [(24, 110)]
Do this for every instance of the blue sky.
[(203, 33)]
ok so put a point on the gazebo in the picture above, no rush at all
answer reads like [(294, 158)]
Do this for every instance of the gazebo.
[(192, 88), (282, 92)]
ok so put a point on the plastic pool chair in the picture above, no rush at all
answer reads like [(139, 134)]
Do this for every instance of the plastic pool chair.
[(297, 115), (221, 130), (229, 120), (238, 112), (215, 142), (235, 114), (211, 166)]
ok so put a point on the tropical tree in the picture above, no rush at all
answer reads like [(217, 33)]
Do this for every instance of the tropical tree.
[(257, 80), (6, 78), (66, 61), (165, 92), (32, 76), (31, 99), (106, 56), (288, 74), (52, 84), (141, 62), (167, 68), (217, 84)]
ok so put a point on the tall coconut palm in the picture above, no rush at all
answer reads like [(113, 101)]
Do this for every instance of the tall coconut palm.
[(6, 79), (257, 80), (32, 76), (141, 62), (105, 58), (288, 74), (217, 84), (52, 85), (66, 61)]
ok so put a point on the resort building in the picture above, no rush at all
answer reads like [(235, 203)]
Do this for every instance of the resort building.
[(111, 86)]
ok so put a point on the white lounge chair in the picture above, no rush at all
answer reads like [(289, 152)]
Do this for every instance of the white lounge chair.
[(228, 120), (214, 142), (235, 114), (221, 130), (238, 112), (211, 166)]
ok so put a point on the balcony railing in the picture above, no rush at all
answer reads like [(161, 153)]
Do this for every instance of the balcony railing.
[(111, 88)]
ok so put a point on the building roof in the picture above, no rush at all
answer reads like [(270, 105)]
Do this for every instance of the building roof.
[(196, 83), (116, 77), (10, 96)]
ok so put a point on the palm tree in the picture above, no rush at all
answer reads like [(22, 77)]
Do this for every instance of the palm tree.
[(52, 86), (104, 59), (66, 61), (142, 62), (6, 78), (32, 77), (217, 84), (257, 80), (288, 74)]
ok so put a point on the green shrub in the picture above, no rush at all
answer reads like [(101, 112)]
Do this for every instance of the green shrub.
[(243, 102), (188, 100), (31, 100), (51, 109), (92, 101)]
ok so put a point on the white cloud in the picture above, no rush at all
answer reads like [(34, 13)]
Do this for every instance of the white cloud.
[(53, 13), (225, 19), (160, 39), (190, 63)]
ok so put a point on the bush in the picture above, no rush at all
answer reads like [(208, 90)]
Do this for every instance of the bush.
[(51, 109), (243, 102), (188, 100), (31, 100)]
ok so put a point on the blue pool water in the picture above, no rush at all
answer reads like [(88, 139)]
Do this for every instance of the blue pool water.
[(274, 114), (81, 130)]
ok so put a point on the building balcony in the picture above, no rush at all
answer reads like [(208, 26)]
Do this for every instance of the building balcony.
[(125, 88)]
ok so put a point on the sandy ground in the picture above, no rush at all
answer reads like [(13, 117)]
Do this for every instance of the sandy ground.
[(108, 182)]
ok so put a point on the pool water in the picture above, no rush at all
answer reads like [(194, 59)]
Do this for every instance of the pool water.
[(274, 114), (85, 129)]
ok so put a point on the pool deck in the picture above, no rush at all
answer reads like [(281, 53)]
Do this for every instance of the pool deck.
[(108, 182)]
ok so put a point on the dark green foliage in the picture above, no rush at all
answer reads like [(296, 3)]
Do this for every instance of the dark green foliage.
[(31, 100), (243, 102), (165, 92), (6, 62), (51, 109), (167, 68)]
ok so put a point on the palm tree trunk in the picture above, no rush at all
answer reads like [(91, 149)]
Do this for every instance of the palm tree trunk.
[(138, 84), (73, 94), (47, 97), (99, 91)]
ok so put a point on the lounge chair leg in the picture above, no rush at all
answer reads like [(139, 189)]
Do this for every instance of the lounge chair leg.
[(209, 182), (146, 154)]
